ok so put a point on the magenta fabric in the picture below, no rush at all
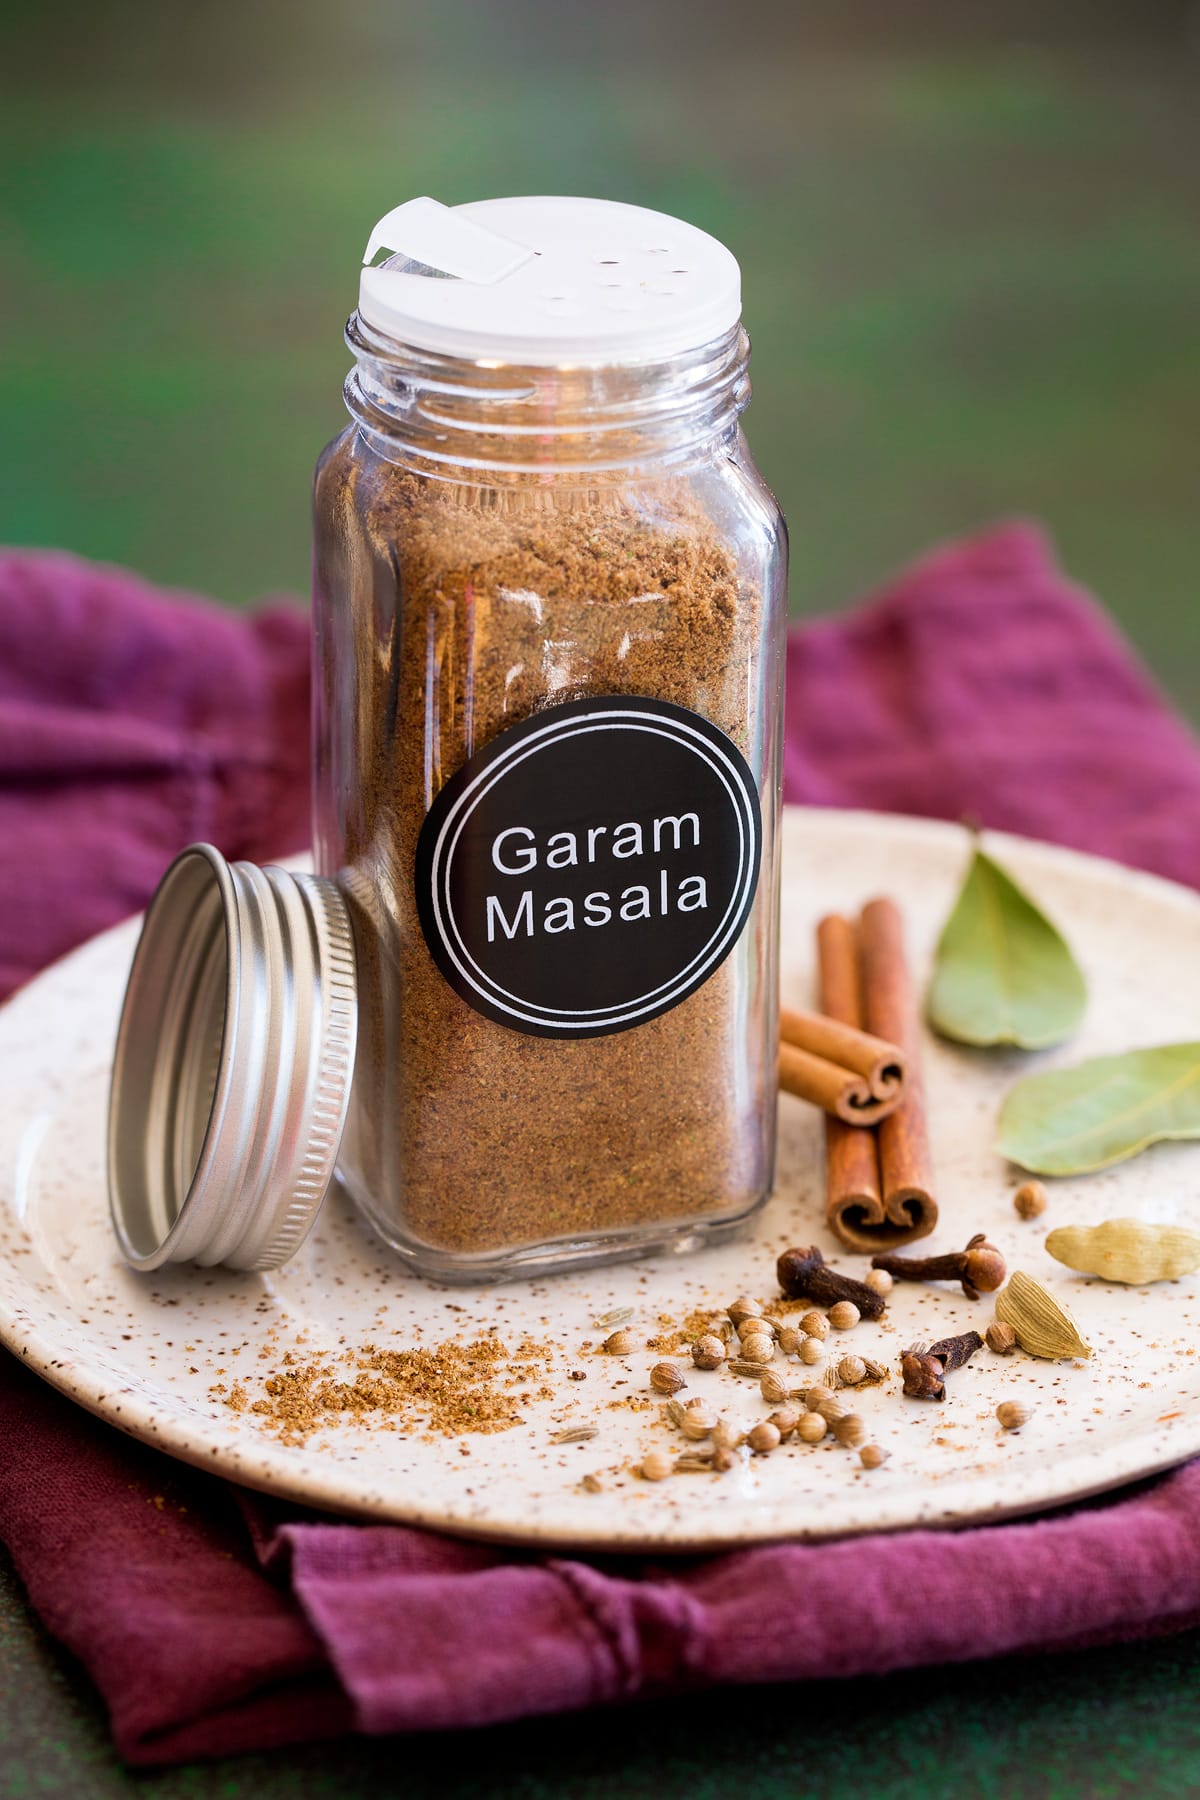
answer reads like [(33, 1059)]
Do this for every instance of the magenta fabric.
[(980, 684)]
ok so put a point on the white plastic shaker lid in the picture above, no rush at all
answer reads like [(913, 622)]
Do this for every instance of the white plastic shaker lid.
[(547, 280)]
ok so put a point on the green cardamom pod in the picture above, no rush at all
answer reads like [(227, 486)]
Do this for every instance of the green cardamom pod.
[(1130, 1250), (1043, 1325)]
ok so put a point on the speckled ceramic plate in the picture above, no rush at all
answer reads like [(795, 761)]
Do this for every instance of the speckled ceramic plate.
[(160, 1356)]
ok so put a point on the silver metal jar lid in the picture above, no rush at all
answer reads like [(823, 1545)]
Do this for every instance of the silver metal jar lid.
[(233, 1065)]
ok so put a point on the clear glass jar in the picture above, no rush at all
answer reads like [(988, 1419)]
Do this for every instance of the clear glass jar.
[(566, 938)]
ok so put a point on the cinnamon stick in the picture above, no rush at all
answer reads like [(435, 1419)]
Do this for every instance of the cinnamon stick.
[(843, 1070), (880, 1064), (889, 1010), (854, 1199)]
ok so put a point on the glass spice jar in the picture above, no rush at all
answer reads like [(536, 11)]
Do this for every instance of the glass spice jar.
[(525, 1011), (549, 602)]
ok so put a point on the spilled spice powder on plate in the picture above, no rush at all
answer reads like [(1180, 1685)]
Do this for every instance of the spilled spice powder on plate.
[(479, 1386)]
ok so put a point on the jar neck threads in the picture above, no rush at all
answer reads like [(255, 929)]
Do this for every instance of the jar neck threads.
[(459, 420)]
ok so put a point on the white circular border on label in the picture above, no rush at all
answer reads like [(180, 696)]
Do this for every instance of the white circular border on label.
[(685, 980)]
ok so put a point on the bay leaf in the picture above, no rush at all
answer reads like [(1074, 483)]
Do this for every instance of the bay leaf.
[(1003, 973), (1070, 1121)]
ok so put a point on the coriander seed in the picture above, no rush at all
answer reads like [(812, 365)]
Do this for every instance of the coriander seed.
[(774, 1387), (812, 1351), (708, 1352), (844, 1315), (1030, 1200), (763, 1438), (879, 1281), (872, 1456), (656, 1465), (726, 1435), (790, 1340), (826, 1403), (723, 1459), (744, 1308), (814, 1325), (699, 1420), (851, 1370), (620, 1343), (811, 1428), (1000, 1337), (1012, 1414), (758, 1348), (665, 1378), (785, 1420), (849, 1430)]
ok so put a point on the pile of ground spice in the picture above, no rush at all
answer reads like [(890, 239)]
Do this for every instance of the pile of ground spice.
[(447, 612), (454, 1388)]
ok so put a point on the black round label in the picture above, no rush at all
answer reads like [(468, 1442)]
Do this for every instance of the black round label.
[(591, 867)]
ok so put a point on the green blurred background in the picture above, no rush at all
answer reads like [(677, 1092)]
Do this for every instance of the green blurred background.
[(968, 232)]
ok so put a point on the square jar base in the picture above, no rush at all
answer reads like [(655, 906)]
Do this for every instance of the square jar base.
[(680, 1238)]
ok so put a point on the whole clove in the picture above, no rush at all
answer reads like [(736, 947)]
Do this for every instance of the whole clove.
[(980, 1267), (924, 1367), (804, 1274)]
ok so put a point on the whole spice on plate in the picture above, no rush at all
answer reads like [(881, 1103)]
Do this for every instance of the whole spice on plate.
[(804, 1274), (757, 1347), (878, 1180), (666, 1378), (925, 1367), (1029, 1201), (980, 1267), (620, 1343), (832, 1064), (763, 1438), (871, 1456), (620, 1315), (726, 1435), (723, 1459), (851, 1370), (708, 1352), (1003, 972), (656, 1465), (824, 1401), (785, 1420), (814, 1324), (774, 1388), (879, 1281), (1133, 1251), (699, 1420), (790, 1340), (1000, 1338), (812, 1352), (844, 1315), (811, 1428), (1012, 1414), (743, 1309), (849, 1431), (1043, 1325)]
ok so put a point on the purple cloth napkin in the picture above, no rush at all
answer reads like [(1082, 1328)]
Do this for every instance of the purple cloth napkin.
[(980, 684)]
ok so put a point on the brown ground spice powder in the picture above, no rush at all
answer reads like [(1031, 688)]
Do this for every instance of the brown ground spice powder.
[(479, 1386), (450, 613)]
